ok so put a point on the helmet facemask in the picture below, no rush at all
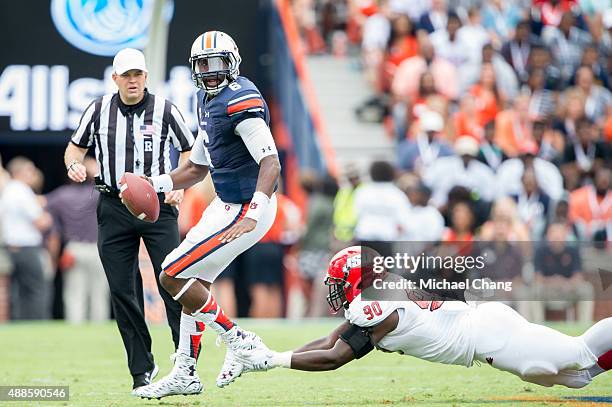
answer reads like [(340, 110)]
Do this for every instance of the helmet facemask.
[(337, 297), (215, 67)]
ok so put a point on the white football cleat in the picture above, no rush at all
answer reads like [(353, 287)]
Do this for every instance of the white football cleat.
[(237, 340), (183, 379)]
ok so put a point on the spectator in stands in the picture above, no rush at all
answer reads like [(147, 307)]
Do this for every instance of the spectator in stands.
[(5, 260), (488, 98), (598, 101), (449, 45), (533, 204), (73, 207), (505, 216), (542, 101), (571, 108), (550, 142), (23, 222), (405, 84), (466, 120), (434, 19), (590, 207), (566, 43), (428, 99), (500, 19), (461, 170), (507, 83), (504, 261), (315, 242), (590, 58), (540, 58), (584, 156), (513, 127), (474, 35), (462, 221), (401, 46), (381, 209), (345, 217), (376, 32), (516, 51), (490, 153), (559, 276), (510, 172), (426, 147), (424, 222), (314, 246), (561, 215)]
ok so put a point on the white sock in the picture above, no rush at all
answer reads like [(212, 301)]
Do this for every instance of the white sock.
[(190, 336)]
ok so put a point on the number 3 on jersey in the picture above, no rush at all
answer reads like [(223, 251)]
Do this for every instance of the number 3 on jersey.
[(372, 310)]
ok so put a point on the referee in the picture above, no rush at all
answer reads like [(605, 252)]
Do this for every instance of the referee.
[(132, 131)]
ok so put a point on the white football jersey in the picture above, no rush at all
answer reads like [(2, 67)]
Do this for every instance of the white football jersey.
[(431, 330)]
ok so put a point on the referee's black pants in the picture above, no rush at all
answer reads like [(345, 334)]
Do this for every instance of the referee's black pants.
[(119, 234)]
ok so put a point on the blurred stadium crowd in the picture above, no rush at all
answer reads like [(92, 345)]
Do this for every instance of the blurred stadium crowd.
[(501, 117)]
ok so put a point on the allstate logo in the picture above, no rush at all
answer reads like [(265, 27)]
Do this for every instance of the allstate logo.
[(103, 27)]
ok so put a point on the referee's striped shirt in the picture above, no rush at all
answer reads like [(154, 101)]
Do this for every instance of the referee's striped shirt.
[(132, 138)]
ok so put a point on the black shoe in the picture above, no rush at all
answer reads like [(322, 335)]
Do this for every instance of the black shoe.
[(145, 378)]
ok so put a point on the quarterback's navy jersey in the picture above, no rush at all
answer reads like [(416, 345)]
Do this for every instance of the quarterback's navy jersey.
[(233, 170)]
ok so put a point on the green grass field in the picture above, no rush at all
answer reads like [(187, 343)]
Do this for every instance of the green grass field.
[(91, 360)]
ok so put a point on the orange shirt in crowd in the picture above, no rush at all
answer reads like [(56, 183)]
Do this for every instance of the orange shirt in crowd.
[(588, 211), (608, 129), (467, 125), (511, 134), (486, 104), (405, 48)]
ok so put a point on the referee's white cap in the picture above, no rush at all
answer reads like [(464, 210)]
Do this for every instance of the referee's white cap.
[(129, 58)]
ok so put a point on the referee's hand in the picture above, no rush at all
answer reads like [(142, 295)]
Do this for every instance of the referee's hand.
[(77, 172)]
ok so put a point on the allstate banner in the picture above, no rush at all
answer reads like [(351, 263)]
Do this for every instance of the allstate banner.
[(49, 74)]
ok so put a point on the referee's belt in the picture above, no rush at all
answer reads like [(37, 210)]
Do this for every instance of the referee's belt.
[(104, 189)]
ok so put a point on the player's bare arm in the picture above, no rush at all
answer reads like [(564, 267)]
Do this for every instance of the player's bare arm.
[(269, 171), (326, 342), (73, 160), (175, 197), (353, 343)]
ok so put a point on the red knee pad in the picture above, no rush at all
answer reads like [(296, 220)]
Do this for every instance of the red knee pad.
[(605, 360)]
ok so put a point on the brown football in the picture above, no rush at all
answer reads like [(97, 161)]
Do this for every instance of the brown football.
[(139, 197)]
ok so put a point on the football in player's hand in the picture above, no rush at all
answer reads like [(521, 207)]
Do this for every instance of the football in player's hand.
[(138, 195)]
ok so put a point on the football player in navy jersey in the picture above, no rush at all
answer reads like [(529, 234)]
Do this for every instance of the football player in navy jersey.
[(235, 145)]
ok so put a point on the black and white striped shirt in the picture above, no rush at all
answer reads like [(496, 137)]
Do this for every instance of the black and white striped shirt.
[(132, 138)]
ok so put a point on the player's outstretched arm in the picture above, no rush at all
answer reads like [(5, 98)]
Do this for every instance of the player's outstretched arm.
[(353, 343), (326, 342)]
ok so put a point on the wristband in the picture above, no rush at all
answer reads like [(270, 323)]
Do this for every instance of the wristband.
[(258, 205), (282, 359), (162, 183)]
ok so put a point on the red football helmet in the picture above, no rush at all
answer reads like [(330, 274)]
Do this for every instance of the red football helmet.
[(344, 278)]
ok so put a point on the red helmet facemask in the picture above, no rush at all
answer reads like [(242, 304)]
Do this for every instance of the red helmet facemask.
[(344, 278)]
